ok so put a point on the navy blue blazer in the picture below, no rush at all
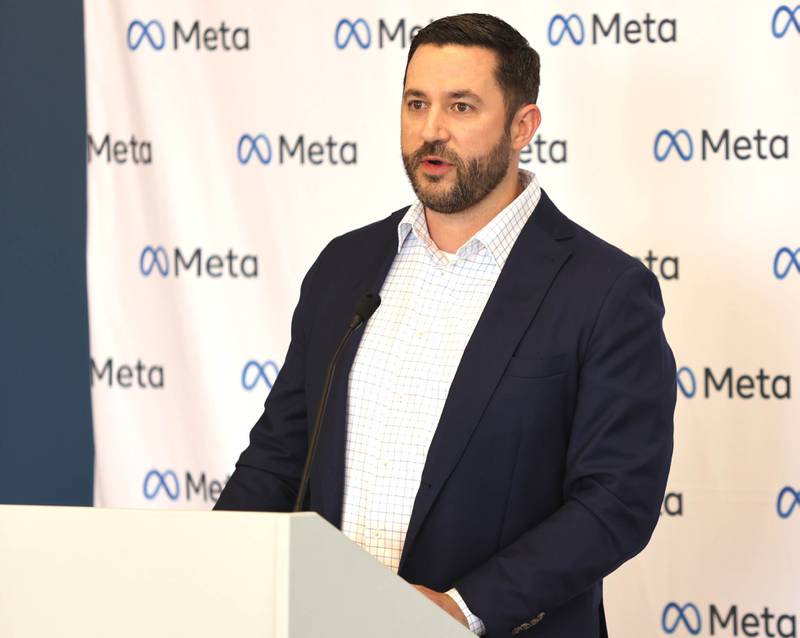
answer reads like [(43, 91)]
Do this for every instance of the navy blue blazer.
[(549, 463)]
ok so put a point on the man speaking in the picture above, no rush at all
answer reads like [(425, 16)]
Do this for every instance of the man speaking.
[(499, 432)]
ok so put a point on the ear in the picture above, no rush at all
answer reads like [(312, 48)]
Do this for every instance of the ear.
[(524, 125)]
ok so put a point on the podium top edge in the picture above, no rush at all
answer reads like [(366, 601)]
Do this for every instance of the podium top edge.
[(78, 509)]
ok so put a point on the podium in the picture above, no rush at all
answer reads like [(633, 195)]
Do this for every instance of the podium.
[(89, 572)]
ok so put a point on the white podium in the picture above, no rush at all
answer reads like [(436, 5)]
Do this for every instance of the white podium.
[(97, 572)]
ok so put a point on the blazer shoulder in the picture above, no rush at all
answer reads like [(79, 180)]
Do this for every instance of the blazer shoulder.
[(597, 251), (366, 237), (603, 259), (595, 266)]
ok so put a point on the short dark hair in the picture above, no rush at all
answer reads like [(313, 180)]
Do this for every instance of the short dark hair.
[(517, 70)]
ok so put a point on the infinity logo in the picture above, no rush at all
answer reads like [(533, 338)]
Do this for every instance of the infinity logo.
[(672, 142), (563, 27), (791, 19), (358, 29), (267, 371), (686, 382), (792, 259), (790, 495), (155, 481), (259, 145), (146, 31), (154, 257), (670, 620)]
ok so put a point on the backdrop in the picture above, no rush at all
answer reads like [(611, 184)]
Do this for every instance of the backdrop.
[(228, 142)]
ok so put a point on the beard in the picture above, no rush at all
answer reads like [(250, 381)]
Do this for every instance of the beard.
[(474, 178)]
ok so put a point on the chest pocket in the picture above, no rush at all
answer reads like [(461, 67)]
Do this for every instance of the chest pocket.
[(537, 368)]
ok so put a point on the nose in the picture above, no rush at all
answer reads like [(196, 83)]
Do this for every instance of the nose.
[(435, 128)]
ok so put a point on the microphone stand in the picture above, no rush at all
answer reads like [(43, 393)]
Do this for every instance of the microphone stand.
[(365, 308)]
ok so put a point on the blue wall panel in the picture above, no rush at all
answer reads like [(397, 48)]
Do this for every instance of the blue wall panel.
[(46, 451)]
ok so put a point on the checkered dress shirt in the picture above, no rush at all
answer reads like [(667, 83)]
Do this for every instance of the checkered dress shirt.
[(412, 345)]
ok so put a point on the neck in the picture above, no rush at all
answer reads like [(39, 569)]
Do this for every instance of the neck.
[(450, 231)]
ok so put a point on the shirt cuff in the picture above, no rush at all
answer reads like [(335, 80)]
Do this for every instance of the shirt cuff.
[(476, 625)]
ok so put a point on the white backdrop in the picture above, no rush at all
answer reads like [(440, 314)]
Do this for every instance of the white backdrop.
[(223, 157)]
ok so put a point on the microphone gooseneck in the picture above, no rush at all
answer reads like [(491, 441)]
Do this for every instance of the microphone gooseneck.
[(365, 308)]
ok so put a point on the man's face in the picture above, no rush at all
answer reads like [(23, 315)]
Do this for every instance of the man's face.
[(454, 140)]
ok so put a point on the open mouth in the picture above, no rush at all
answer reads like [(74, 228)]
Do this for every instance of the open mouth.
[(434, 163)]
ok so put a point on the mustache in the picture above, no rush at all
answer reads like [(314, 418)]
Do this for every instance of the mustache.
[(434, 148)]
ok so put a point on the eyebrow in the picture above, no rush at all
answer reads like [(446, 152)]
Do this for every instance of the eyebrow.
[(465, 93), (455, 95)]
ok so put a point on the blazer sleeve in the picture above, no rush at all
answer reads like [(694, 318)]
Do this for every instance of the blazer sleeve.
[(618, 459), (267, 474)]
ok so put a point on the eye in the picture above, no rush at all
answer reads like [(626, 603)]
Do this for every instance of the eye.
[(462, 107), (416, 105)]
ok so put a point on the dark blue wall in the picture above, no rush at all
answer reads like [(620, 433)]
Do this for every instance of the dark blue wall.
[(46, 450)]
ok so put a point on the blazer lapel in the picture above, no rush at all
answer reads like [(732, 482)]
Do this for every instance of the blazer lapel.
[(531, 267)]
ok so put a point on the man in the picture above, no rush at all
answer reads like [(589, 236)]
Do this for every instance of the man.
[(500, 431)]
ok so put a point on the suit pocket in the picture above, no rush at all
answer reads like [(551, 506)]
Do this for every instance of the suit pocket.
[(539, 367)]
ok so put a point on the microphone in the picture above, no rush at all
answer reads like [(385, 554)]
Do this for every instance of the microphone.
[(365, 308)]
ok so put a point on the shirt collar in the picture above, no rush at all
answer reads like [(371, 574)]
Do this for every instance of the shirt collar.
[(498, 236)]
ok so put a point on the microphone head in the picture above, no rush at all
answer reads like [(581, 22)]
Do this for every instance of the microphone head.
[(367, 305)]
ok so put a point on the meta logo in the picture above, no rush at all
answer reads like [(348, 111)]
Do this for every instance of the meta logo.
[(554, 151), (258, 149), (358, 33), (672, 505), (166, 485), (686, 615), (650, 30), (788, 500), (784, 18), (156, 482), (254, 373), (154, 258), (139, 375), (687, 619), (680, 141), (785, 261), (741, 386), (257, 145), (213, 38), (157, 259), (151, 32), (740, 147), (662, 267), (120, 151)]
